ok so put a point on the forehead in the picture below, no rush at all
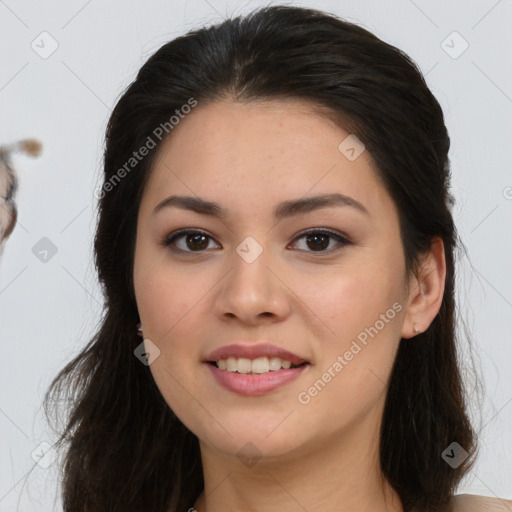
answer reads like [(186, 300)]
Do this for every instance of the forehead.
[(255, 132), (267, 148)]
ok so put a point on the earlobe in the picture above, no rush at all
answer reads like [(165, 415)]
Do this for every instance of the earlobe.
[(426, 294)]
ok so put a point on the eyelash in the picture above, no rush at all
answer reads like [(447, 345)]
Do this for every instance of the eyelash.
[(342, 240)]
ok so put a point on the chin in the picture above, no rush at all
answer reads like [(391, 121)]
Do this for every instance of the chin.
[(250, 437)]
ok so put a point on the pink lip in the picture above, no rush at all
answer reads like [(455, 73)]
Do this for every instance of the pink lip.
[(255, 384), (253, 352)]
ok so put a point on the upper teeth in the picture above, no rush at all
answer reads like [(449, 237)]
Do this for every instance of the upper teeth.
[(258, 365)]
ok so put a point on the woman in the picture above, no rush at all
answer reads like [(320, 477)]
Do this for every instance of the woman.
[(276, 248)]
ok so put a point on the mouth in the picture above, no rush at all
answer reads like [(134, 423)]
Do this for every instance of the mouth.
[(254, 369), (257, 366), (255, 377)]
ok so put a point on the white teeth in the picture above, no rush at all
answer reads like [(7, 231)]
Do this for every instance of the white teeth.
[(286, 364), (274, 363), (231, 364), (258, 365), (243, 365)]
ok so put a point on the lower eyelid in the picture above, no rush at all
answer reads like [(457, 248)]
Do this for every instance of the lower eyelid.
[(171, 239), (341, 239)]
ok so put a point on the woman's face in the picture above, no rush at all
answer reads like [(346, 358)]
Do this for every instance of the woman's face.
[(253, 277)]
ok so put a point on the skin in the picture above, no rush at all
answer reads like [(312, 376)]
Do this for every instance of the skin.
[(322, 455)]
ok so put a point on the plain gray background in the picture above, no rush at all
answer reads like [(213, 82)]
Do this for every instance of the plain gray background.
[(49, 308)]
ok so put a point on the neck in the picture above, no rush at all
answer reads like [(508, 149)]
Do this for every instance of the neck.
[(341, 474)]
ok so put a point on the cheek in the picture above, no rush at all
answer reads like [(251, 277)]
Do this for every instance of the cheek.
[(352, 371), (359, 305), (165, 297), (169, 304), (349, 298)]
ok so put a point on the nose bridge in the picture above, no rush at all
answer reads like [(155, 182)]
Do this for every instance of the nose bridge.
[(250, 250), (250, 274), (251, 288)]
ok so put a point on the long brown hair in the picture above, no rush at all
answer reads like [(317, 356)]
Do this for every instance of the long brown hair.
[(125, 450)]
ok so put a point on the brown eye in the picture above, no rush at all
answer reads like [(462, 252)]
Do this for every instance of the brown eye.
[(197, 242), (188, 241), (320, 241), (317, 241)]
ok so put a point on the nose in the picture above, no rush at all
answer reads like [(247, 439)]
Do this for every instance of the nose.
[(253, 291)]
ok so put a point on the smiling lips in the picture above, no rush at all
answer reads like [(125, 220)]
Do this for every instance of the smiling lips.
[(254, 369), (253, 352)]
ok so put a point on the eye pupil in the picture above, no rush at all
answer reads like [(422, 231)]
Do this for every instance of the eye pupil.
[(317, 244), (194, 238)]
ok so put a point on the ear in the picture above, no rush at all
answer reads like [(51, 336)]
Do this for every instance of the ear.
[(425, 291)]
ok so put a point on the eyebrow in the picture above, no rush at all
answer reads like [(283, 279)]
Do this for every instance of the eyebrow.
[(282, 210)]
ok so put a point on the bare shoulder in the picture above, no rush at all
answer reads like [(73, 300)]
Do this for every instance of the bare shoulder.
[(474, 503)]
